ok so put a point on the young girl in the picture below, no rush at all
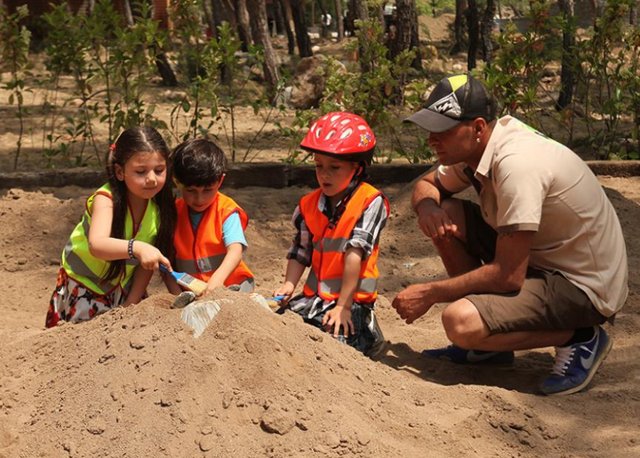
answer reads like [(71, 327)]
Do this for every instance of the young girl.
[(127, 225), (338, 230)]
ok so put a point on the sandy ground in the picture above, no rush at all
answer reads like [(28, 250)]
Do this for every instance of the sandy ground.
[(134, 382)]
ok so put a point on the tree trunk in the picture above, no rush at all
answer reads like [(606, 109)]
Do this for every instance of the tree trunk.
[(458, 26), (324, 28), (633, 13), (300, 24), (406, 32), (244, 28), (223, 11), (567, 75), (486, 29), (415, 38), (362, 12), (380, 14), (339, 19), (218, 12), (260, 32), (126, 11), (286, 14), (278, 17), (474, 32), (161, 14), (350, 17)]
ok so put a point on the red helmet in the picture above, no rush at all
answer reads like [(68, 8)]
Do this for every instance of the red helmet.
[(341, 135)]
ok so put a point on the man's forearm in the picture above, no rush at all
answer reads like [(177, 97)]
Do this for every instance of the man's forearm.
[(424, 191), (485, 279)]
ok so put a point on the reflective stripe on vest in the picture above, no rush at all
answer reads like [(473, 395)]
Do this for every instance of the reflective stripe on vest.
[(208, 264), (88, 270), (329, 245), (332, 286), (201, 253)]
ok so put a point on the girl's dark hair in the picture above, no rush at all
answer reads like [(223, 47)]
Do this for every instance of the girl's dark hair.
[(132, 141)]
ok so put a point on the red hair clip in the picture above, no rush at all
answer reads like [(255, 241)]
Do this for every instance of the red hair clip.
[(112, 147)]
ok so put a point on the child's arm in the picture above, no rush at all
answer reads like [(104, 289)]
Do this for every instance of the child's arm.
[(171, 284), (299, 256), (228, 265), (103, 246), (340, 315), (141, 279), (295, 269)]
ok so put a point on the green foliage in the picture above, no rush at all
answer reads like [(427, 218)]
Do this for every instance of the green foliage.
[(604, 62), (517, 71), (110, 64), (66, 53), (609, 82), (199, 61), (368, 92), (100, 48), (216, 75), (14, 49)]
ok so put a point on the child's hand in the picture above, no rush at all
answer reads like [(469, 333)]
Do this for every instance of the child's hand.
[(149, 256), (211, 285), (336, 318), (285, 290)]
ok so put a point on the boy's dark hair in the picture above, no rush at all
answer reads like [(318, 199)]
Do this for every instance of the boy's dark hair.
[(198, 162)]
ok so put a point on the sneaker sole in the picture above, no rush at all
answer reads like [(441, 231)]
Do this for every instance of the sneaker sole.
[(592, 372)]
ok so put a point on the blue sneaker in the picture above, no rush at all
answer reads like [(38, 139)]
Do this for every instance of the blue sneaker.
[(461, 356), (576, 364)]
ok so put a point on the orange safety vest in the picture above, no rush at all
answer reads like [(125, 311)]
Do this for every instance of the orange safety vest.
[(327, 261), (201, 253)]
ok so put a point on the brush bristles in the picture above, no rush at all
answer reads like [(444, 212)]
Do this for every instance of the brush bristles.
[(192, 283)]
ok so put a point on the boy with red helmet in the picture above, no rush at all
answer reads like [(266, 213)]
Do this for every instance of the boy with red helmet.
[(338, 231)]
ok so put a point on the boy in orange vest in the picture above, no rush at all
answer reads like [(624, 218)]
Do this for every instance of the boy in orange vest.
[(209, 236), (338, 229)]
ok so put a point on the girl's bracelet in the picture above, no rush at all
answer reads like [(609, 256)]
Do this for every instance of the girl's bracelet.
[(130, 249)]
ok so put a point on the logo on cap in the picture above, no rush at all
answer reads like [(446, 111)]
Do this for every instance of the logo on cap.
[(448, 106)]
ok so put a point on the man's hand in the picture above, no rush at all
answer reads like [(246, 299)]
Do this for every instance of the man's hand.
[(413, 302), (434, 221)]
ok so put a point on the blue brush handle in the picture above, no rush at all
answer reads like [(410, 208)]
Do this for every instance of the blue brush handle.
[(164, 269)]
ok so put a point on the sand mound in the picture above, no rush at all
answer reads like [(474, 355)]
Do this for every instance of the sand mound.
[(135, 382)]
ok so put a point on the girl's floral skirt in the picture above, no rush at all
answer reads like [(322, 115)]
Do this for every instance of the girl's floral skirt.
[(73, 302)]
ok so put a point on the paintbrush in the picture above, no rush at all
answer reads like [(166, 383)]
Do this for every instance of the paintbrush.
[(186, 281)]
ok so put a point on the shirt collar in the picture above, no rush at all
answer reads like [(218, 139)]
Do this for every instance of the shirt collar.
[(486, 161)]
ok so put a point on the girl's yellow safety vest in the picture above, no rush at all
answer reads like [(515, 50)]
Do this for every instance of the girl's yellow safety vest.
[(88, 270)]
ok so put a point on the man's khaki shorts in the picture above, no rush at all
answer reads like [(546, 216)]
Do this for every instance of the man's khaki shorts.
[(547, 300)]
